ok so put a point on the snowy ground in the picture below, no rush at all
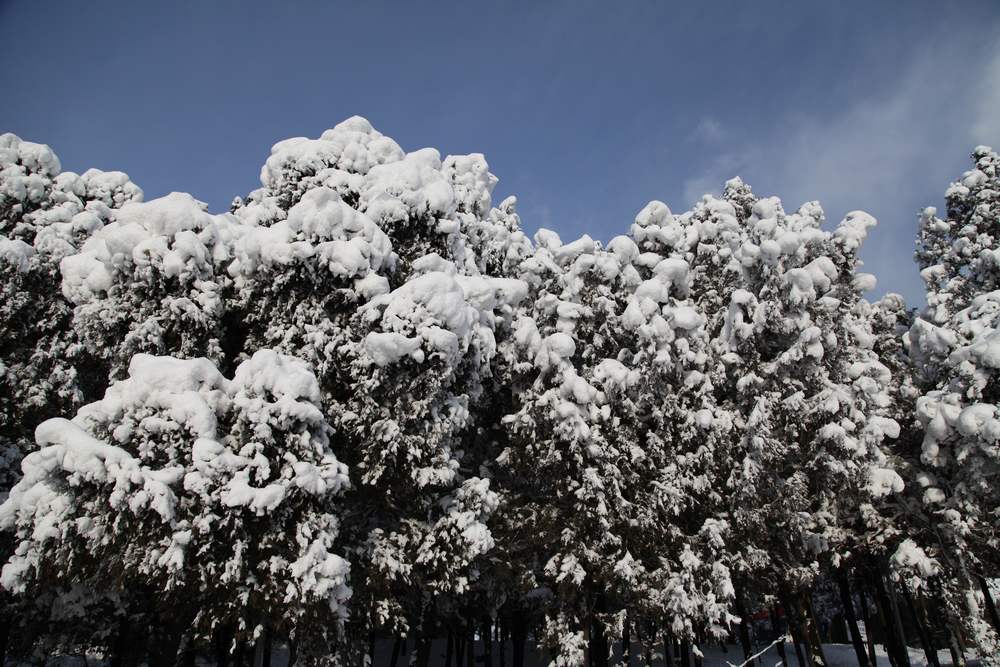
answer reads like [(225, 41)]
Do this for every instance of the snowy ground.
[(838, 655)]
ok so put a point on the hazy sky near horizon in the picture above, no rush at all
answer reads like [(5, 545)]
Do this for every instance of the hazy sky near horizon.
[(584, 110)]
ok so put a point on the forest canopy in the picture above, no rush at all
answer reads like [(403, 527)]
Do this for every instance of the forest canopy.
[(364, 403)]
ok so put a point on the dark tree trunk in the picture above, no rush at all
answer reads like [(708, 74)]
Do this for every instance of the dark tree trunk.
[(599, 646), (470, 656), (222, 640), (894, 644), (459, 649), (123, 652), (422, 646), (293, 651), (448, 650), (957, 657), (668, 649), (991, 608), (925, 638), (371, 648), (250, 654), (269, 646), (488, 642), (163, 651), (626, 645), (869, 626), (897, 617), (847, 602), (502, 633), (396, 649), (779, 632), (188, 653), (741, 610), (261, 654), (814, 630), (792, 616), (5, 624), (686, 653), (520, 632), (794, 611)]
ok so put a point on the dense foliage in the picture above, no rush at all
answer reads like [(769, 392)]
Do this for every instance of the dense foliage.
[(363, 404)]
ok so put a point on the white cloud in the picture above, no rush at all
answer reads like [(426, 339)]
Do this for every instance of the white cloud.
[(986, 128), (708, 131), (889, 154), (711, 180)]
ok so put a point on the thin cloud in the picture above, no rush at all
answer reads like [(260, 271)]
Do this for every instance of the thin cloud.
[(986, 128), (889, 154), (708, 131)]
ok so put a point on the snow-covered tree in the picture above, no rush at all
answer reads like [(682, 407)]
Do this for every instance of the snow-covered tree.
[(213, 500), (953, 344), (601, 360), (45, 215), (958, 256), (631, 440), (152, 281), (684, 529), (358, 257), (796, 387)]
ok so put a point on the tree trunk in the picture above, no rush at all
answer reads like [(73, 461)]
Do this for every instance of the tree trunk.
[(448, 649), (803, 628), (626, 646), (163, 651), (668, 649), (780, 634), (686, 653), (792, 615), (869, 626), (847, 602), (123, 652), (599, 648), (502, 633), (422, 648), (222, 639), (396, 649), (188, 653), (459, 649), (814, 628), (957, 657), (488, 642), (262, 649), (741, 610), (897, 620), (894, 644), (293, 651), (520, 631), (925, 638), (470, 656), (991, 608), (5, 624)]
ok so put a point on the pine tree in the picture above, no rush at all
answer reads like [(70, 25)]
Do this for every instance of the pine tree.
[(953, 347), (212, 501), (358, 257)]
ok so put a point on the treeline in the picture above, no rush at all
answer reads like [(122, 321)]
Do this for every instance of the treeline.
[(363, 406)]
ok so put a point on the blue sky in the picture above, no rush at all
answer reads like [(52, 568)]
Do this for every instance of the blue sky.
[(584, 110)]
